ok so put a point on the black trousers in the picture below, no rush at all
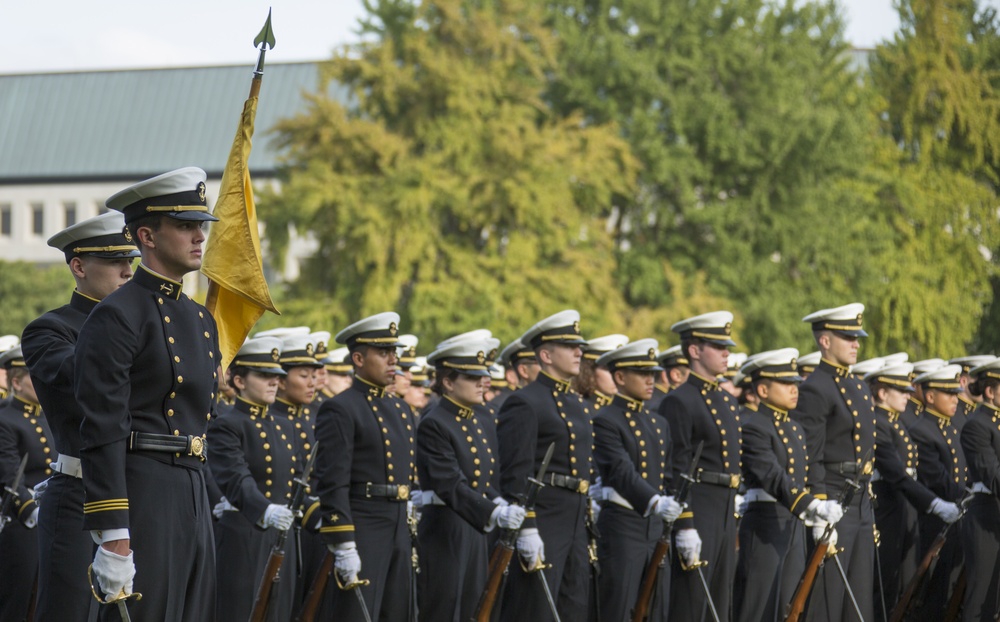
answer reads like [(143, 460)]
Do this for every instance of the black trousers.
[(624, 549), (896, 520), (454, 560), (829, 600), (170, 523), (242, 551), (715, 520), (981, 536), (772, 559), (562, 527), (65, 551), (18, 570), (383, 541)]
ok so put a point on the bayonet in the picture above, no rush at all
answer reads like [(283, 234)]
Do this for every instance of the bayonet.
[(11, 493)]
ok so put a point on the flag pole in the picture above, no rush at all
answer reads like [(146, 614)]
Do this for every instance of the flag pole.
[(264, 39)]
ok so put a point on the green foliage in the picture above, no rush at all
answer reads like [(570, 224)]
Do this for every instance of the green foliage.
[(449, 191), (29, 291)]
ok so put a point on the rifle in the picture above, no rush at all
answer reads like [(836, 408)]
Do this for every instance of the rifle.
[(797, 606), (11, 494), (641, 611), (315, 595), (916, 584), (504, 549), (272, 576)]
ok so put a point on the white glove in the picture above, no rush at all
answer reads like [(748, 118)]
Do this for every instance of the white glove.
[(114, 573), (830, 511), (818, 530), (667, 508), (222, 507), (32, 519), (346, 561), (508, 516), (278, 516), (498, 500), (596, 490), (945, 510), (689, 545), (39, 490), (531, 547), (740, 504), (416, 500)]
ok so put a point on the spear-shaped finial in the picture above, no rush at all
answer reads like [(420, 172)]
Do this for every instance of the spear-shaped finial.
[(265, 39)]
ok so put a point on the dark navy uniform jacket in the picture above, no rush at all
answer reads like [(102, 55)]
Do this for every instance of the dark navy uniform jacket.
[(632, 450), (895, 453), (23, 430), (774, 457), (981, 444), (298, 422), (253, 457), (837, 414), (697, 411), (942, 466), (146, 361), (365, 435), (544, 412), (456, 459), (48, 344)]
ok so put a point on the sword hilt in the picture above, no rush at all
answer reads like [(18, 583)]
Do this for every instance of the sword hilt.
[(121, 596), (701, 563), (349, 586)]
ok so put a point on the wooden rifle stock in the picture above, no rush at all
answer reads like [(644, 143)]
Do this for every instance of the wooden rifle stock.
[(798, 604), (269, 580), (916, 583), (648, 587), (315, 595), (640, 613), (499, 560)]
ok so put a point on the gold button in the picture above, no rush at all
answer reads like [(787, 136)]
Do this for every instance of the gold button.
[(170, 412), (180, 379), (166, 319), (177, 359)]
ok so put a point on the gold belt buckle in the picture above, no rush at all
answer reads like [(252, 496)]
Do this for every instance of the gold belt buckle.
[(403, 492), (734, 480), (583, 486), (196, 446)]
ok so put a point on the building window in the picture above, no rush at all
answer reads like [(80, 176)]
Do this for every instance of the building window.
[(5, 222), (37, 218), (69, 209)]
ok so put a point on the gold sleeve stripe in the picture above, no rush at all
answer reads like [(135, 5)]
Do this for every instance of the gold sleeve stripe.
[(309, 513), (530, 514), (336, 528), (108, 508), (98, 504), (821, 496), (686, 515), (797, 499)]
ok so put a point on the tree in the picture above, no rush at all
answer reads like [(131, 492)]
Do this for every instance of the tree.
[(941, 112), (750, 129), (448, 190), (29, 291)]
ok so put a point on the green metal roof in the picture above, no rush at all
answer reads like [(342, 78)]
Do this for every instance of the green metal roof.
[(128, 124)]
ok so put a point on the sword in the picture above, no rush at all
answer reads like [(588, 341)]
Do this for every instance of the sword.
[(123, 610), (548, 593), (120, 600), (8, 500), (847, 586), (704, 584), (353, 586)]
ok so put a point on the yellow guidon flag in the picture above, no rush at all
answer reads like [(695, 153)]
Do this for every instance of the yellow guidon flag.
[(237, 293)]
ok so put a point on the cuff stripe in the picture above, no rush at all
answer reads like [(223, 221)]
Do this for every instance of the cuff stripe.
[(336, 529)]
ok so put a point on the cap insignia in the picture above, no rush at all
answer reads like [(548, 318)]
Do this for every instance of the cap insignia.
[(321, 347), (652, 354), (392, 328), (728, 328), (480, 357), (492, 355), (309, 348), (201, 190), (275, 355), (576, 327), (128, 235), (794, 364)]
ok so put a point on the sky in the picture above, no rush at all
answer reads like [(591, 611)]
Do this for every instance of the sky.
[(68, 35)]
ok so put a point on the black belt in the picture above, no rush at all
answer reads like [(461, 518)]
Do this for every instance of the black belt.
[(168, 443), (727, 480), (391, 492), (576, 484), (848, 468)]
